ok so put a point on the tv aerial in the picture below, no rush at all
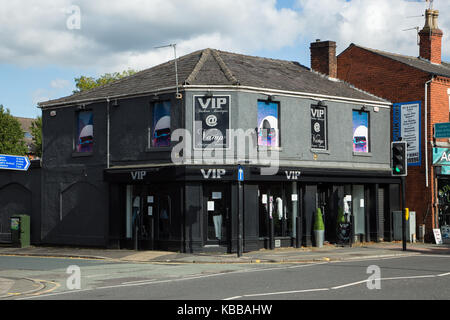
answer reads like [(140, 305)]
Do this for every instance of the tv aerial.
[(174, 46), (417, 30)]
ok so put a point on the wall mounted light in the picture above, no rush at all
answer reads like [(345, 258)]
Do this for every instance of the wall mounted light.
[(115, 103), (208, 94), (363, 109)]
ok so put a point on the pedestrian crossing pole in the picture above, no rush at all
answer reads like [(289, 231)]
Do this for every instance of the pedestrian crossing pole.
[(240, 210), (404, 213)]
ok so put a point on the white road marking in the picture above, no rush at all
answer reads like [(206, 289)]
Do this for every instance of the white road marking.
[(349, 285), (444, 274), (251, 271), (338, 287), (177, 280), (138, 281), (285, 292)]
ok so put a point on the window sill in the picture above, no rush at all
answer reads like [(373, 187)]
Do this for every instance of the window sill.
[(76, 154), (265, 149), (362, 154), (319, 151)]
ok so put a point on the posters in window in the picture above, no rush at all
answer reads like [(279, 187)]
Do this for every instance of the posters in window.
[(318, 128), (211, 121), (360, 131), (268, 133), (85, 132), (161, 124)]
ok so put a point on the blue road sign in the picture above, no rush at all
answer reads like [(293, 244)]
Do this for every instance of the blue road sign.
[(240, 174), (19, 163), (442, 130)]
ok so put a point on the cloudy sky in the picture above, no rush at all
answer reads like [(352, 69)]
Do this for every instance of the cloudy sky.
[(45, 44)]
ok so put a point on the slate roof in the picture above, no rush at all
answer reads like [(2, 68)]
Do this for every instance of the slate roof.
[(419, 63), (214, 67)]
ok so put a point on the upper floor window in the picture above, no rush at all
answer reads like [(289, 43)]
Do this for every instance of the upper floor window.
[(85, 132), (360, 131), (161, 124), (268, 124)]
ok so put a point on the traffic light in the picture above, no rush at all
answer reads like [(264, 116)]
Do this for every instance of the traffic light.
[(399, 160)]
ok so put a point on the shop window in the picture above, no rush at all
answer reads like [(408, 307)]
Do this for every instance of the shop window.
[(160, 130), (268, 124), (358, 206), (360, 131), (444, 208), (279, 204), (85, 132), (164, 218)]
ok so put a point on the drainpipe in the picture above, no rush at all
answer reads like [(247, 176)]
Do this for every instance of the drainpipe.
[(426, 131), (107, 133)]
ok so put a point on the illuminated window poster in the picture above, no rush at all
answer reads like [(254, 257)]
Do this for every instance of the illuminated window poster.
[(85, 132), (268, 133), (161, 124), (360, 131)]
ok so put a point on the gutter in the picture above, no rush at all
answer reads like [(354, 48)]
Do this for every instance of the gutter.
[(385, 104), (107, 134), (426, 131), (314, 96), (127, 95)]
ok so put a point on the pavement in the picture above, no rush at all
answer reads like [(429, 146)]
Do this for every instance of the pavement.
[(328, 252)]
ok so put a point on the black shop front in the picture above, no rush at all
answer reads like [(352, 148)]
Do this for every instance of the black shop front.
[(191, 208)]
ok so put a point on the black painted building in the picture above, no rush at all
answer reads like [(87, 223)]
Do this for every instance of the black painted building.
[(144, 163)]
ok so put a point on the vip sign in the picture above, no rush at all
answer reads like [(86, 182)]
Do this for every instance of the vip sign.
[(211, 121), (292, 175), (318, 128), (138, 175), (213, 173)]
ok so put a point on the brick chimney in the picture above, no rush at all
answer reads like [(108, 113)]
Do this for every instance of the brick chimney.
[(431, 38), (323, 57)]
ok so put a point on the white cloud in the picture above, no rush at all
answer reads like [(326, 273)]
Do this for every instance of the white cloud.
[(377, 24), (117, 35), (123, 34)]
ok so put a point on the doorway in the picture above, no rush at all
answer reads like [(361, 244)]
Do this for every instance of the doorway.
[(217, 215), (324, 202), (148, 216)]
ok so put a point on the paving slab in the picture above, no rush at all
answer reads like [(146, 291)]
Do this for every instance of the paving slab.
[(305, 254)]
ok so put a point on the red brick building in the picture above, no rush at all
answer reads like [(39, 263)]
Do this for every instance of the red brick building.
[(401, 79)]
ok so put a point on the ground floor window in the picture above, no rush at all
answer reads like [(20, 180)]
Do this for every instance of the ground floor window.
[(218, 208), (444, 207), (278, 204), (148, 213), (359, 213)]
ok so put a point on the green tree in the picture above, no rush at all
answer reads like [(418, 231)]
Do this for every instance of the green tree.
[(86, 83), (11, 134), (36, 132)]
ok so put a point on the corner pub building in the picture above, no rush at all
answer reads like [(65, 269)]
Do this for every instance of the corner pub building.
[(129, 164)]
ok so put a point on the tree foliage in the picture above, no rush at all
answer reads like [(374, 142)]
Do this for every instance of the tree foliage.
[(11, 135), (84, 83), (36, 132)]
